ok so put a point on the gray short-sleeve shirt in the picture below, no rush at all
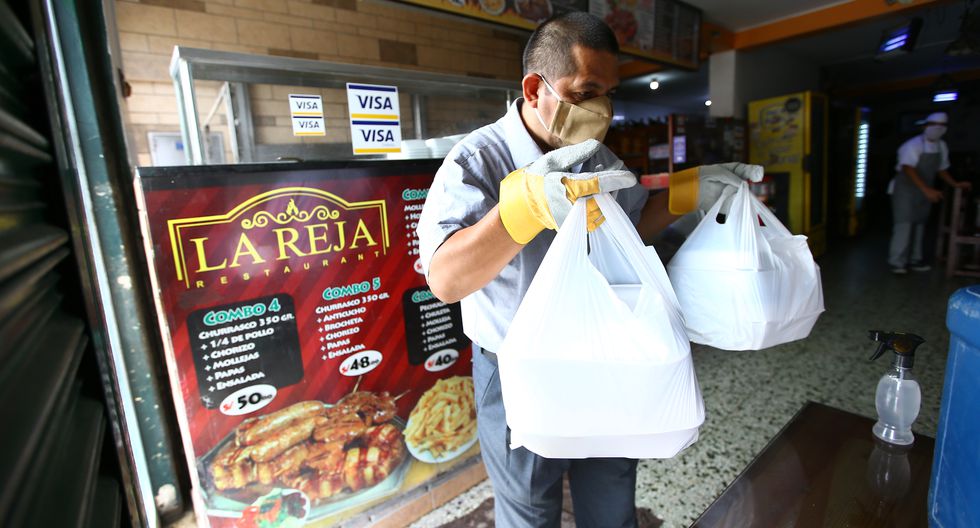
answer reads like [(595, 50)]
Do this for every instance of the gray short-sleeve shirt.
[(467, 187)]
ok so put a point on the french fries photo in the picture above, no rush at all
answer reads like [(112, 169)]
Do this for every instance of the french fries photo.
[(444, 419)]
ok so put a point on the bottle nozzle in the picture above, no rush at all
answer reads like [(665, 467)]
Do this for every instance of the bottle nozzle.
[(898, 342), (878, 351)]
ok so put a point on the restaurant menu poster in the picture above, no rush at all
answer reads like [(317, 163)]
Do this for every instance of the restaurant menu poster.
[(313, 372)]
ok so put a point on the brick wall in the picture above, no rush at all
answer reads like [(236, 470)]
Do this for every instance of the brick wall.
[(369, 32)]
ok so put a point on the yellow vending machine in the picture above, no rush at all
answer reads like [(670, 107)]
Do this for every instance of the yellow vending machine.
[(788, 136)]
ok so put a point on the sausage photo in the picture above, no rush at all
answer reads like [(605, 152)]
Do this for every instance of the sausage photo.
[(275, 445), (254, 430)]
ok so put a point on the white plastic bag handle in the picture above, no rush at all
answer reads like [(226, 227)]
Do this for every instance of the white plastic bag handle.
[(770, 219), (716, 208), (571, 237), (621, 229)]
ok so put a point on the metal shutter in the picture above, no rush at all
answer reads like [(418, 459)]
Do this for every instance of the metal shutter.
[(51, 398)]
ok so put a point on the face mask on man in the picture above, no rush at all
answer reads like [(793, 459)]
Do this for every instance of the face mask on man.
[(575, 123), (934, 132)]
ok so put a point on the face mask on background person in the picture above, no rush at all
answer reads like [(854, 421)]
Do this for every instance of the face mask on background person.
[(934, 132), (575, 123)]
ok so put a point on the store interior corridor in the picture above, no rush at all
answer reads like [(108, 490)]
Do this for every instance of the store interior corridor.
[(750, 396)]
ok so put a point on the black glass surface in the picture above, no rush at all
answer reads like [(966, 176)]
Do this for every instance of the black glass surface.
[(826, 469)]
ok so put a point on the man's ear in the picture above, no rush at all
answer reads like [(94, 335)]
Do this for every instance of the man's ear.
[(530, 85)]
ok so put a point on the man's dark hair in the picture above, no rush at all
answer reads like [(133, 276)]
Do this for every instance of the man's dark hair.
[(549, 50)]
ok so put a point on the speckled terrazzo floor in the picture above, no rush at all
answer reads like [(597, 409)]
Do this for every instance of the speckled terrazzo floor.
[(749, 396)]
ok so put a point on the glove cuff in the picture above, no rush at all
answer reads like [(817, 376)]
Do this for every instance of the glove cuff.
[(683, 191), (521, 215)]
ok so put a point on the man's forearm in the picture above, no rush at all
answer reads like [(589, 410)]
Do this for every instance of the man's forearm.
[(655, 217), (470, 258), (947, 177)]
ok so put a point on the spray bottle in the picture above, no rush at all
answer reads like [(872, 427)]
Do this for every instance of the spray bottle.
[(898, 397)]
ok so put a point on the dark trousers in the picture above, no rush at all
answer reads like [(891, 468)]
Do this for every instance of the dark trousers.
[(527, 488)]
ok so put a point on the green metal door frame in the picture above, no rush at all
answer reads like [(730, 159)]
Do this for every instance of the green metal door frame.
[(79, 60)]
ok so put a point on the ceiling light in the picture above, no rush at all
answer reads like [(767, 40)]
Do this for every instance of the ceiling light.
[(654, 84), (707, 103), (899, 40), (944, 90)]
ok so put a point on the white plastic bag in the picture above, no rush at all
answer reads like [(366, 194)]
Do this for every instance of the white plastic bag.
[(597, 362), (745, 286)]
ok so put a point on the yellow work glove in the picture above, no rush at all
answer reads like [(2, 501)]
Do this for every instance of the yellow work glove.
[(539, 196), (702, 186)]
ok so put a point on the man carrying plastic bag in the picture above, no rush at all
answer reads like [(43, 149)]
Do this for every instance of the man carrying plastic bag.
[(597, 361), (488, 222)]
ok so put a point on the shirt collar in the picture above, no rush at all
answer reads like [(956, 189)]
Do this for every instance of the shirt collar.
[(523, 149)]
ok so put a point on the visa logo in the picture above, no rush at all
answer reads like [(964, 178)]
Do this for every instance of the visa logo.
[(377, 135), (374, 102), (307, 105)]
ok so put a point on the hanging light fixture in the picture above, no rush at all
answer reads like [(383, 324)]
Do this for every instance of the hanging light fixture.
[(945, 90), (898, 40)]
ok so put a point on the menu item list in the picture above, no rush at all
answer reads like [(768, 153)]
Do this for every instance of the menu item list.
[(431, 326), (241, 343)]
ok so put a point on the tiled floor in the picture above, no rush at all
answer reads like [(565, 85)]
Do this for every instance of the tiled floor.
[(482, 515), (749, 396)]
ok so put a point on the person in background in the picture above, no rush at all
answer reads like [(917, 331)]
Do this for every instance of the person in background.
[(920, 159), (490, 217)]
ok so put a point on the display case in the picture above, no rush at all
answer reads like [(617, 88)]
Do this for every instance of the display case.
[(632, 143), (657, 149), (254, 111), (701, 140)]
